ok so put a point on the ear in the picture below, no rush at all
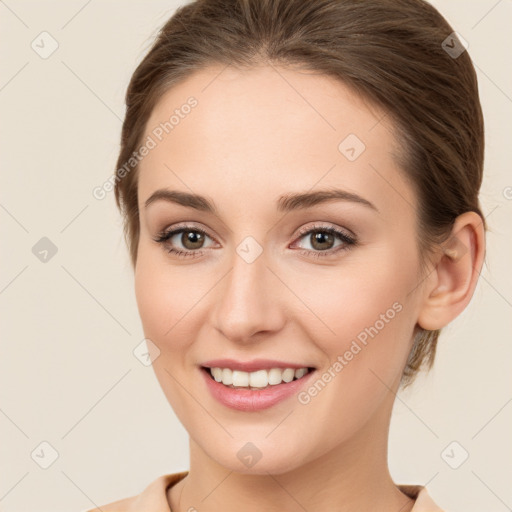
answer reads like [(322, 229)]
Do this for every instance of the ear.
[(451, 284)]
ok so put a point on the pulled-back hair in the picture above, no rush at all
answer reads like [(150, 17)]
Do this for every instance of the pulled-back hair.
[(400, 55)]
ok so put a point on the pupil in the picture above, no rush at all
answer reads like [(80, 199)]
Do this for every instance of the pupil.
[(192, 238), (322, 238)]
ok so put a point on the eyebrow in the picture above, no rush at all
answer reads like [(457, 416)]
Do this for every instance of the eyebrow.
[(285, 203)]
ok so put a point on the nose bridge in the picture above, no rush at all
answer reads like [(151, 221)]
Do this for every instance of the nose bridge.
[(248, 301)]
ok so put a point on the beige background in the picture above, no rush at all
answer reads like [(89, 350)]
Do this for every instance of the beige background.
[(69, 325)]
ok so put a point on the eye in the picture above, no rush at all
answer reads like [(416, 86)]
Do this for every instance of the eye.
[(322, 240), (191, 238)]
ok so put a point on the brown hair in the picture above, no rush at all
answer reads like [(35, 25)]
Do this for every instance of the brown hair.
[(394, 53)]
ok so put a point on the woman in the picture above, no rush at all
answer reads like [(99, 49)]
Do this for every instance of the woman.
[(299, 183)]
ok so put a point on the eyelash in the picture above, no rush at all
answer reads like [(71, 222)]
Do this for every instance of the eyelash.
[(347, 240)]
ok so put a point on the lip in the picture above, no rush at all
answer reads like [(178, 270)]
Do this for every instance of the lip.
[(247, 400), (254, 365)]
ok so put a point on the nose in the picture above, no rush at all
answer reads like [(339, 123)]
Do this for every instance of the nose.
[(249, 301)]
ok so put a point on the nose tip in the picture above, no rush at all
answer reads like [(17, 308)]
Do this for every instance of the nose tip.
[(247, 302)]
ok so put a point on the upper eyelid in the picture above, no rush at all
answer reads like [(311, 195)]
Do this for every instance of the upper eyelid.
[(316, 227)]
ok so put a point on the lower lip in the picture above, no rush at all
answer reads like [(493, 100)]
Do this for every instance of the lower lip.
[(248, 400)]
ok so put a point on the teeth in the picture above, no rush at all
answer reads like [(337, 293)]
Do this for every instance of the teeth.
[(227, 376), (259, 379), (239, 378)]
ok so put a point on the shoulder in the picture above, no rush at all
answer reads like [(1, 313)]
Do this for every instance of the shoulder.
[(153, 497)]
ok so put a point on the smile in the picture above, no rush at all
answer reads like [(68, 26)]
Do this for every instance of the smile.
[(259, 379)]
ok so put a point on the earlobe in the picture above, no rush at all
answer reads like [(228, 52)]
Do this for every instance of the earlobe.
[(453, 281)]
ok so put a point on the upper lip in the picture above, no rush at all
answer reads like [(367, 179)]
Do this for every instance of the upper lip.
[(251, 366)]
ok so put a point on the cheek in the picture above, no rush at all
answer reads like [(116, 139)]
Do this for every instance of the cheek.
[(371, 320), (163, 297), (365, 308), (173, 303), (165, 305)]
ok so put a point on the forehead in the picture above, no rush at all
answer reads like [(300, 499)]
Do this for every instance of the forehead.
[(269, 130)]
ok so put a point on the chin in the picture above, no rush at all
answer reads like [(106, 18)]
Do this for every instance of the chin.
[(249, 458)]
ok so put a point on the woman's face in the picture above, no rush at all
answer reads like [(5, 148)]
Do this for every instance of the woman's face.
[(268, 278)]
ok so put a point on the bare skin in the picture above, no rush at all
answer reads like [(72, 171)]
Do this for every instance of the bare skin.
[(254, 136)]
